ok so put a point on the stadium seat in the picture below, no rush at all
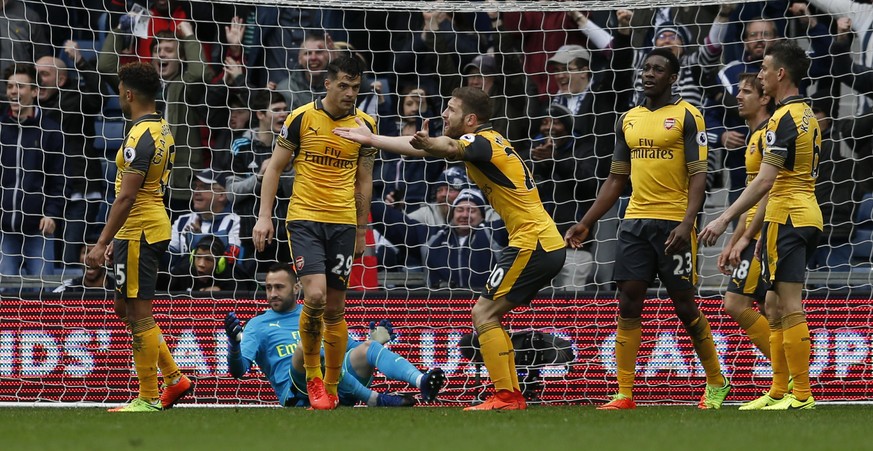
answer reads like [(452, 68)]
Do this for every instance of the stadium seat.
[(110, 134)]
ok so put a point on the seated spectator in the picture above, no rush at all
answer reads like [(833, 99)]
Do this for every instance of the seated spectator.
[(31, 177), (208, 268), (459, 254), (96, 278), (447, 188), (210, 216), (250, 155)]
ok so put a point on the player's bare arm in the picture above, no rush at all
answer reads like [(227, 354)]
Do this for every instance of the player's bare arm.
[(680, 237), (262, 233), (607, 197), (751, 195), (130, 183), (394, 144), (441, 146), (363, 197)]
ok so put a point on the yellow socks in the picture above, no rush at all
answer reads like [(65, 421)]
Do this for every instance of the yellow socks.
[(496, 354), (310, 339), (146, 339), (166, 363), (336, 337), (627, 345), (778, 361), (513, 373), (701, 337), (795, 339), (757, 329)]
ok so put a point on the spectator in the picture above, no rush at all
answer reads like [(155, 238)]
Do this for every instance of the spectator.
[(250, 157), (31, 168), (179, 62), (563, 168), (94, 279), (209, 268), (306, 81), (210, 216), (24, 38), (509, 100), (237, 123), (74, 105), (228, 99), (460, 254), (451, 182)]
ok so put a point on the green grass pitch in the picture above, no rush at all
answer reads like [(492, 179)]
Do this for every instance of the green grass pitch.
[(837, 427)]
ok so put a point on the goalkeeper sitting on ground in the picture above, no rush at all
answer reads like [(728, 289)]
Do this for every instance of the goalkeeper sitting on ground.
[(271, 340)]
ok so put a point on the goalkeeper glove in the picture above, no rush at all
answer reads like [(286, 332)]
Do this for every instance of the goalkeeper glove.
[(382, 332), (233, 329)]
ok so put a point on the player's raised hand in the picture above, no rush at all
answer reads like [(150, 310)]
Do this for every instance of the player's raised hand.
[(262, 233), (360, 134), (421, 139), (232, 327), (576, 235), (709, 235)]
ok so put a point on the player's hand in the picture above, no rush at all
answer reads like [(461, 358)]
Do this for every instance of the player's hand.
[(679, 239), (383, 332), (47, 226), (232, 327), (109, 253), (709, 235), (576, 235), (96, 257), (724, 265), (737, 251), (360, 134), (360, 242), (758, 249), (262, 233), (421, 139)]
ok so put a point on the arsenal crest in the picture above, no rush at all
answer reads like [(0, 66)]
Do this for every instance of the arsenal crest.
[(669, 122)]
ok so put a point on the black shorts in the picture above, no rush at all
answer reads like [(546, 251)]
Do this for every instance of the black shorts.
[(521, 273), (136, 267), (746, 278), (322, 248), (641, 255), (786, 251)]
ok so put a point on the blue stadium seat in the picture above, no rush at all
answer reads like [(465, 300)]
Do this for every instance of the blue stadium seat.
[(110, 135)]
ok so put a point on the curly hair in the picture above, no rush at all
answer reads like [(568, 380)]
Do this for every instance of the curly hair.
[(141, 78)]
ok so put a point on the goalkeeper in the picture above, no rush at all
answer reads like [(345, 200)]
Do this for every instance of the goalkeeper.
[(271, 340)]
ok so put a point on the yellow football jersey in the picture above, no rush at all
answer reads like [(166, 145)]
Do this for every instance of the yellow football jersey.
[(793, 144), (149, 150), (661, 150), (507, 183), (325, 164), (754, 152)]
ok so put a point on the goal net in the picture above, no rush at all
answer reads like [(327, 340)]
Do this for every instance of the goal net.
[(559, 74)]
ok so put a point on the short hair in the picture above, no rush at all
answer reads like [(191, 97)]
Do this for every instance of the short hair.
[(264, 98), (314, 35), (474, 101), (141, 78), (345, 64), (283, 267), (787, 55), (211, 243), (752, 77), (21, 68), (669, 55)]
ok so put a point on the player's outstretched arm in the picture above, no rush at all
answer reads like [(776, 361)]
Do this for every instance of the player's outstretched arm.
[(236, 364), (262, 233), (394, 144), (607, 197), (751, 195), (440, 146)]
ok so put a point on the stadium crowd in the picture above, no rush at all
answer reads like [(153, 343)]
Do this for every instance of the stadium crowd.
[(231, 74)]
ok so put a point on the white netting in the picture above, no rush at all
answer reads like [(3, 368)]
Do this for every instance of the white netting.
[(243, 67)]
